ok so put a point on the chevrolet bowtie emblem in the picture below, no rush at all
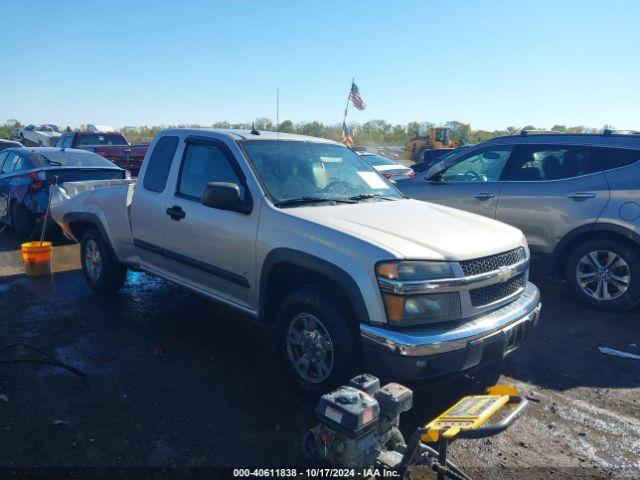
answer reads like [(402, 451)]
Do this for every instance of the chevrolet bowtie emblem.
[(504, 274)]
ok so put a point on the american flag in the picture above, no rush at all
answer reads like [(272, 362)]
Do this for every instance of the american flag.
[(356, 98), (346, 136)]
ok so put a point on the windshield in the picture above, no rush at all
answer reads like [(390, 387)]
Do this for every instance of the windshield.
[(315, 172), (101, 139), (377, 160)]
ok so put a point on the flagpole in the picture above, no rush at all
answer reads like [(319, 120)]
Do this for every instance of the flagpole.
[(353, 80)]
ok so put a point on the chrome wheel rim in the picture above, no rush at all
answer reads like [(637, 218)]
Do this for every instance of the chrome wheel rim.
[(603, 275), (92, 260), (309, 348)]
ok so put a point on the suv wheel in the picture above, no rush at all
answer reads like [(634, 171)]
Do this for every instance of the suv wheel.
[(102, 271), (316, 340), (605, 274)]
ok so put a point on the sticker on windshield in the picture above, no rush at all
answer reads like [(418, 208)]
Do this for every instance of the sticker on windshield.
[(373, 180)]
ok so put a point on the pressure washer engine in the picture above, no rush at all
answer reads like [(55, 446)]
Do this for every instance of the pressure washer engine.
[(359, 426)]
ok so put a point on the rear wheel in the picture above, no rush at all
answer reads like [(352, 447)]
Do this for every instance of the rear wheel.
[(605, 274), (316, 340), (22, 221), (103, 272)]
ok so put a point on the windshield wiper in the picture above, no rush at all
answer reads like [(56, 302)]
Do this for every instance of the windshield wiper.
[(365, 196), (309, 200)]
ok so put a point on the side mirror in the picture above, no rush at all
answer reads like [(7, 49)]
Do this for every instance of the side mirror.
[(225, 196), (435, 172)]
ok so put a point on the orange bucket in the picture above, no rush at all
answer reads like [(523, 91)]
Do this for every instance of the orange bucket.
[(37, 258)]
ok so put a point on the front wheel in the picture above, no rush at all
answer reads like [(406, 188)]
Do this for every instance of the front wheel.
[(317, 341), (605, 274), (103, 272)]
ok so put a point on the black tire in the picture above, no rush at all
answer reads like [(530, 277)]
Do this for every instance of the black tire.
[(621, 297), (22, 221), (419, 158), (335, 322), (103, 272), (21, 139)]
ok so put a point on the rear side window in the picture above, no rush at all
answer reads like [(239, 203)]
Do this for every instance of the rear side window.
[(203, 164), (10, 162), (22, 164), (155, 177), (551, 162), (610, 158)]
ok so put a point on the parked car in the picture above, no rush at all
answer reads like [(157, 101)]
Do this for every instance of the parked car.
[(26, 174), (576, 198), (9, 144), (113, 146), (387, 167), (40, 135), (304, 236)]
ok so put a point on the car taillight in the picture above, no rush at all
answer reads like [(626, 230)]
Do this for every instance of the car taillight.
[(102, 153), (387, 175), (38, 180), (412, 174)]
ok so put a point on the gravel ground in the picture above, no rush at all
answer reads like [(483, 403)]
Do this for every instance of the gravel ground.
[(175, 380)]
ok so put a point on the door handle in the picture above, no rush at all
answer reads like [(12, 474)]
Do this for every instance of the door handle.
[(176, 213), (581, 196), (484, 196)]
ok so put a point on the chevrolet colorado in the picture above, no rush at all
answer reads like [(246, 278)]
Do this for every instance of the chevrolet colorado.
[(307, 238)]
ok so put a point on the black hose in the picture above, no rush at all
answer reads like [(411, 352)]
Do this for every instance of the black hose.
[(452, 466), (52, 360)]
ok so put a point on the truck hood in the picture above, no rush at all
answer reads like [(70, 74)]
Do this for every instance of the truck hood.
[(416, 230)]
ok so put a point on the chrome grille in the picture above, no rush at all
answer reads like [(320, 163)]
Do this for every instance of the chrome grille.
[(492, 262), (493, 293)]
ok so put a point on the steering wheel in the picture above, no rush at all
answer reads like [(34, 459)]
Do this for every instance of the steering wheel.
[(470, 175)]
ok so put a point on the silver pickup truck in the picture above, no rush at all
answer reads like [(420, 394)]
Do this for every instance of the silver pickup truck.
[(304, 236)]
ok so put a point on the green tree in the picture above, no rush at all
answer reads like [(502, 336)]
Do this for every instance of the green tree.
[(286, 126), (263, 123)]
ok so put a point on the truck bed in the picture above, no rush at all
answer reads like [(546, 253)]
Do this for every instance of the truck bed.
[(85, 202)]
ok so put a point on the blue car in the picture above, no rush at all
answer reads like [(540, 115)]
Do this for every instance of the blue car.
[(27, 174)]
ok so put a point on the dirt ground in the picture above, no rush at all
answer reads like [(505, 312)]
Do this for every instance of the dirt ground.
[(175, 380)]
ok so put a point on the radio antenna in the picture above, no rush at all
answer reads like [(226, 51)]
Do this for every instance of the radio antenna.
[(277, 112)]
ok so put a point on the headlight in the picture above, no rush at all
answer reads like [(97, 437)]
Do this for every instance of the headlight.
[(408, 271), (420, 309)]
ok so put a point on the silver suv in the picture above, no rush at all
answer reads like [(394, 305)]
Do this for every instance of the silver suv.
[(576, 198)]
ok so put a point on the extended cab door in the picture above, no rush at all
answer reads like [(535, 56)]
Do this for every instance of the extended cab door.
[(147, 207), (550, 190), (211, 249), (472, 182)]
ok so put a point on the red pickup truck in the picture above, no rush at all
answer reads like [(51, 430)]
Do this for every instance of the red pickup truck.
[(113, 146)]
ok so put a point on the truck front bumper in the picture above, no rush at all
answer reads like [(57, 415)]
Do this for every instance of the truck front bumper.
[(443, 349)]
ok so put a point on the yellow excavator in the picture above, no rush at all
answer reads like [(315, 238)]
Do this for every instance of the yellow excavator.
[(437, 138)]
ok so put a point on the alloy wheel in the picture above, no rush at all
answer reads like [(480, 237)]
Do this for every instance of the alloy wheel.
[(92, 260), (603, 275), (309, 348)]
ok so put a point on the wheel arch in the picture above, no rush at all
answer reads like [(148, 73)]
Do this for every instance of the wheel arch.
[(78, 223), (609, 231), (285, 270)]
